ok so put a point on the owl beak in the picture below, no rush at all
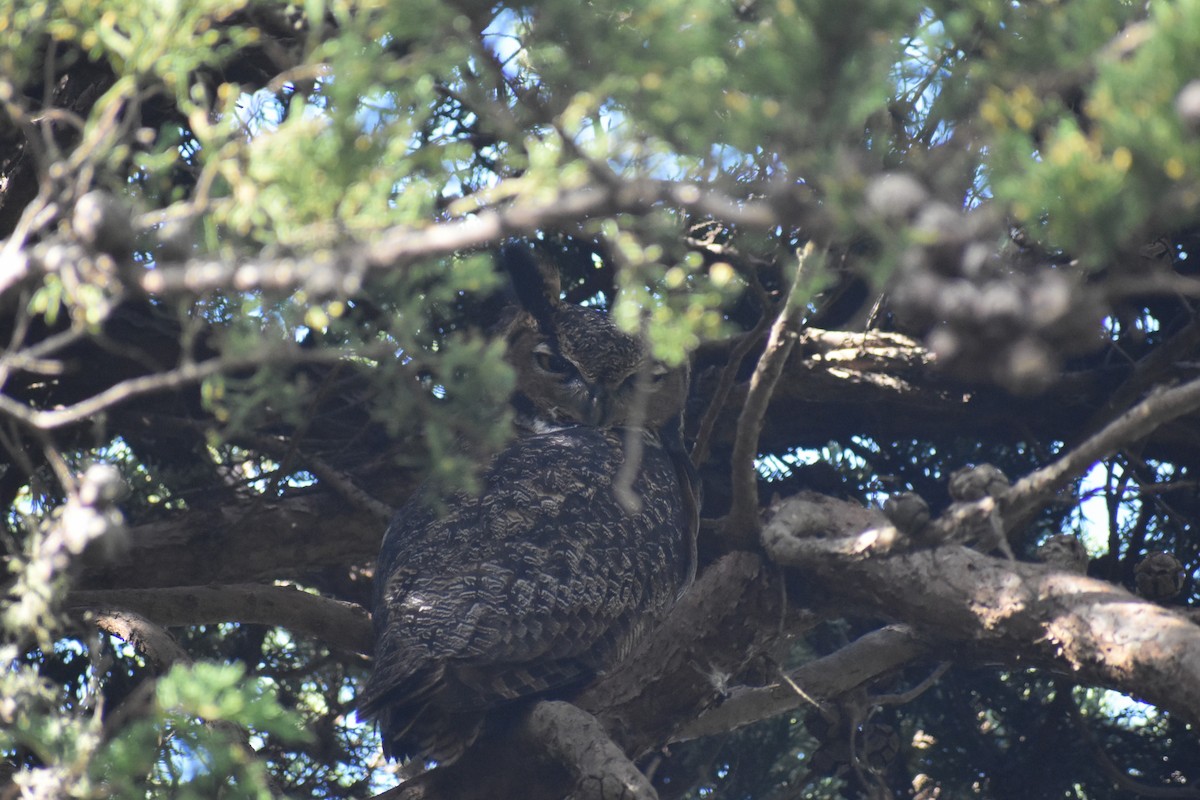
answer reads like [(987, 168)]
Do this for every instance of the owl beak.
[(598, 411)]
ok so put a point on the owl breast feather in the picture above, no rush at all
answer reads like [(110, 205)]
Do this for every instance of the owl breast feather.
[(527, 590)]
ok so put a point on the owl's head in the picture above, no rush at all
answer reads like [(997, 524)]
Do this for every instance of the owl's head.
[(574, 367)]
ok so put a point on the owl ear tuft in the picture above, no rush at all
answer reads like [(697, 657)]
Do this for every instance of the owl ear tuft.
[(536, 284)]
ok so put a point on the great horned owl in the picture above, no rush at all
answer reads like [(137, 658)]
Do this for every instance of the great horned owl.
[(551, 573)]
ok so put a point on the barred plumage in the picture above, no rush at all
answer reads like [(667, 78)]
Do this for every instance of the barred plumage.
[(546, 577)]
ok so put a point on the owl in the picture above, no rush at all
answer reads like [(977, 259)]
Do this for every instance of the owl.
[(581, 538)]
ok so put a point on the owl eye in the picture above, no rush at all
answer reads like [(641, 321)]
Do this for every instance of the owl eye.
[(550, 361), (652, 375)]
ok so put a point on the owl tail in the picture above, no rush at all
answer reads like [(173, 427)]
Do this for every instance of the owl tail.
[(429, 734)]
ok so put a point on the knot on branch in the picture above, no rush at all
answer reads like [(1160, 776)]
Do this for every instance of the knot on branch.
[(808, 527), (976, 517)]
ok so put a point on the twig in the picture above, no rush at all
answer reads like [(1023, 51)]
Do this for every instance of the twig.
[(742, 523), (336, 479), (27, 358), (724, 387), (1150, 368), (163, 651), (342, 484), (903, 698), (10, 440), (126, 390), (20, 327), (799, 692)]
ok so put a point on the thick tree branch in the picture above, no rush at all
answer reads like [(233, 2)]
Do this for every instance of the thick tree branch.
[(338, 624), (728, 616), (575, 739), (1019, 613), (884, 386), (258, 540), (873, 383), (655, 696)]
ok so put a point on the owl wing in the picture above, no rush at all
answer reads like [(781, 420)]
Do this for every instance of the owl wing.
[(539, 582)]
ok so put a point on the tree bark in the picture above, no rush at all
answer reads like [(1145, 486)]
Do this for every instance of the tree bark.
[(980, 607), (338, 624), (253, 541)]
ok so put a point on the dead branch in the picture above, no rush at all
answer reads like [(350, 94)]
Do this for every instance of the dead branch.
[(721, 394), (337, 480), (1156, 367)]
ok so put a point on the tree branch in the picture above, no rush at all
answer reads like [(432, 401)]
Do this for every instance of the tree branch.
[(337, 480), (575, 739), (730, 614), (1016, 612), (654, 696), (182, 375), (742, 523), (340, 625), (1158, 366), (869, 657), (1120, 778), (721, 394), (256, 540), (159, 646), (341, 272), (1161, 406)]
